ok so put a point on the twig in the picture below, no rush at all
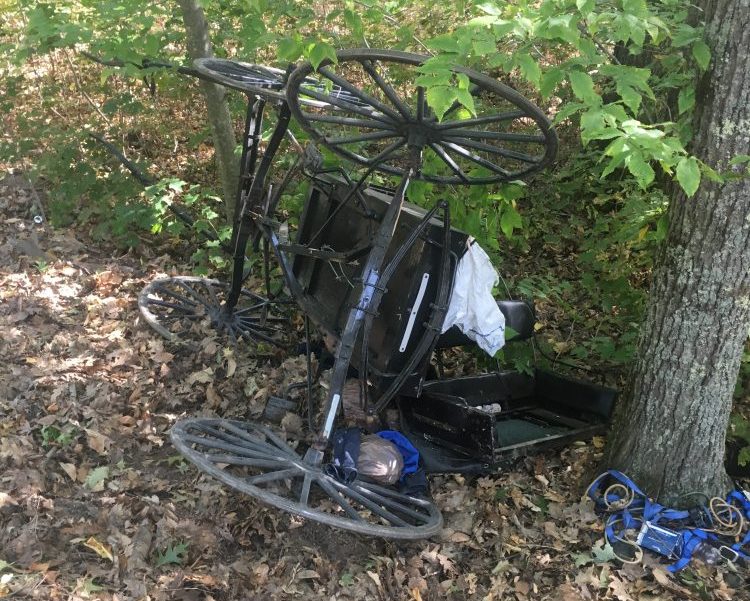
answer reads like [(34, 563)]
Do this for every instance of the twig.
[(81, 90)]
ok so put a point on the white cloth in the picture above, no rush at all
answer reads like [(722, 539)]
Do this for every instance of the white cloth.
[(472, 307)]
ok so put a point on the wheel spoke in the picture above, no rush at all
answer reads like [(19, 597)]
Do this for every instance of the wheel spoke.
[(420, 104), (366, 123), (250, 332), (273, 476), (192, 291), (234, 429), (336, 496), (343, 104), (494, 135), (277, 441), (503, 152), (358, 93), (176, 295), (211, 292), (449, 161), (226, 446), (388, 151), (476, 159), (506, 116), (367, 137), (259, 463), (253, 444), (305, 492), (372, 505), (168, 305), (387, 89), (385, 499)]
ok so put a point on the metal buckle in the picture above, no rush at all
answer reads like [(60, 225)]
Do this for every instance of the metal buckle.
[(729, 554)]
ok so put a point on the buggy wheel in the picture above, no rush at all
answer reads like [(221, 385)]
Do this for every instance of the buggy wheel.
[(181, 308), (257, 80), (254, 460), (501, 137)]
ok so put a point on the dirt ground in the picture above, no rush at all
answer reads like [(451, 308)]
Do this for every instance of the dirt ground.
[(95, 503)]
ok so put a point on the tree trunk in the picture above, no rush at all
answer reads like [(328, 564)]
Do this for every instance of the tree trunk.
[(199, 46), (669, 430)]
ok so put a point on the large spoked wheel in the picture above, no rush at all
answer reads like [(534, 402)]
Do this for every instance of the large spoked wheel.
[(181, 308), (262, 80), (252, 459), (503, 137), (257, 80)]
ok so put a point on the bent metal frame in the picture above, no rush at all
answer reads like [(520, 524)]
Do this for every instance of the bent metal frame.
[(369, 109)]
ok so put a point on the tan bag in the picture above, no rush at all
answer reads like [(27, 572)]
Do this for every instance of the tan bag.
[(380, 460)]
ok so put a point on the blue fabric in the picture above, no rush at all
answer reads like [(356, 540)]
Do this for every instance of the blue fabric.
[(343, 467), (407, 450)]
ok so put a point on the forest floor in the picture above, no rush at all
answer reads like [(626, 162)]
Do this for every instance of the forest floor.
[(95, 503)]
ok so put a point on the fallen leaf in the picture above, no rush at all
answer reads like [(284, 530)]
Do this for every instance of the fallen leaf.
[(96, 477), (307, 574), (100, 549), (70, 470)]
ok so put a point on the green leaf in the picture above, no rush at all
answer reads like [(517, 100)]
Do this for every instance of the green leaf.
[(602, 553), (686, 99), (322, 52), (289, 49), (583, 87), (440, 99), (529, 69), (702, 54), (466, 99), (173, 554), (689, 175), (640, 169), (510, 220), (444, 43), (739, 159), (549, 81), (354, 22), (585, 6), (96, 476)]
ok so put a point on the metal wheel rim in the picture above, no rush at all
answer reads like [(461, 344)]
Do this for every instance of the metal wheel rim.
[(388, 122), (187, 297), (285, 463), (258, 80)]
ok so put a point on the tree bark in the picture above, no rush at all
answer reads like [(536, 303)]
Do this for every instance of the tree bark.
[(669, 429), (199, 46)]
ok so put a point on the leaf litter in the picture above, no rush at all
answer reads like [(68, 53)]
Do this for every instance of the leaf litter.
[(95, 503)]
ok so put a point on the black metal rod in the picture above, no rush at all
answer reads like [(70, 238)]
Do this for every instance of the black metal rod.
[(250, 140), (387, 89), (247, 221)]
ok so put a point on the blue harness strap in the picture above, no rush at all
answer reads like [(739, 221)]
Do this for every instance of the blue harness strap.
[(629, 509)]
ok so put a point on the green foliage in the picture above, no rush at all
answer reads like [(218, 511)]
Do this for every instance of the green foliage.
[(173, 554), (61, 436), (610, 100)]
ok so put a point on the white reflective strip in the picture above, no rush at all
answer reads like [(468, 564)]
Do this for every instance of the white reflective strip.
[(331, 415), (414, 310)]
